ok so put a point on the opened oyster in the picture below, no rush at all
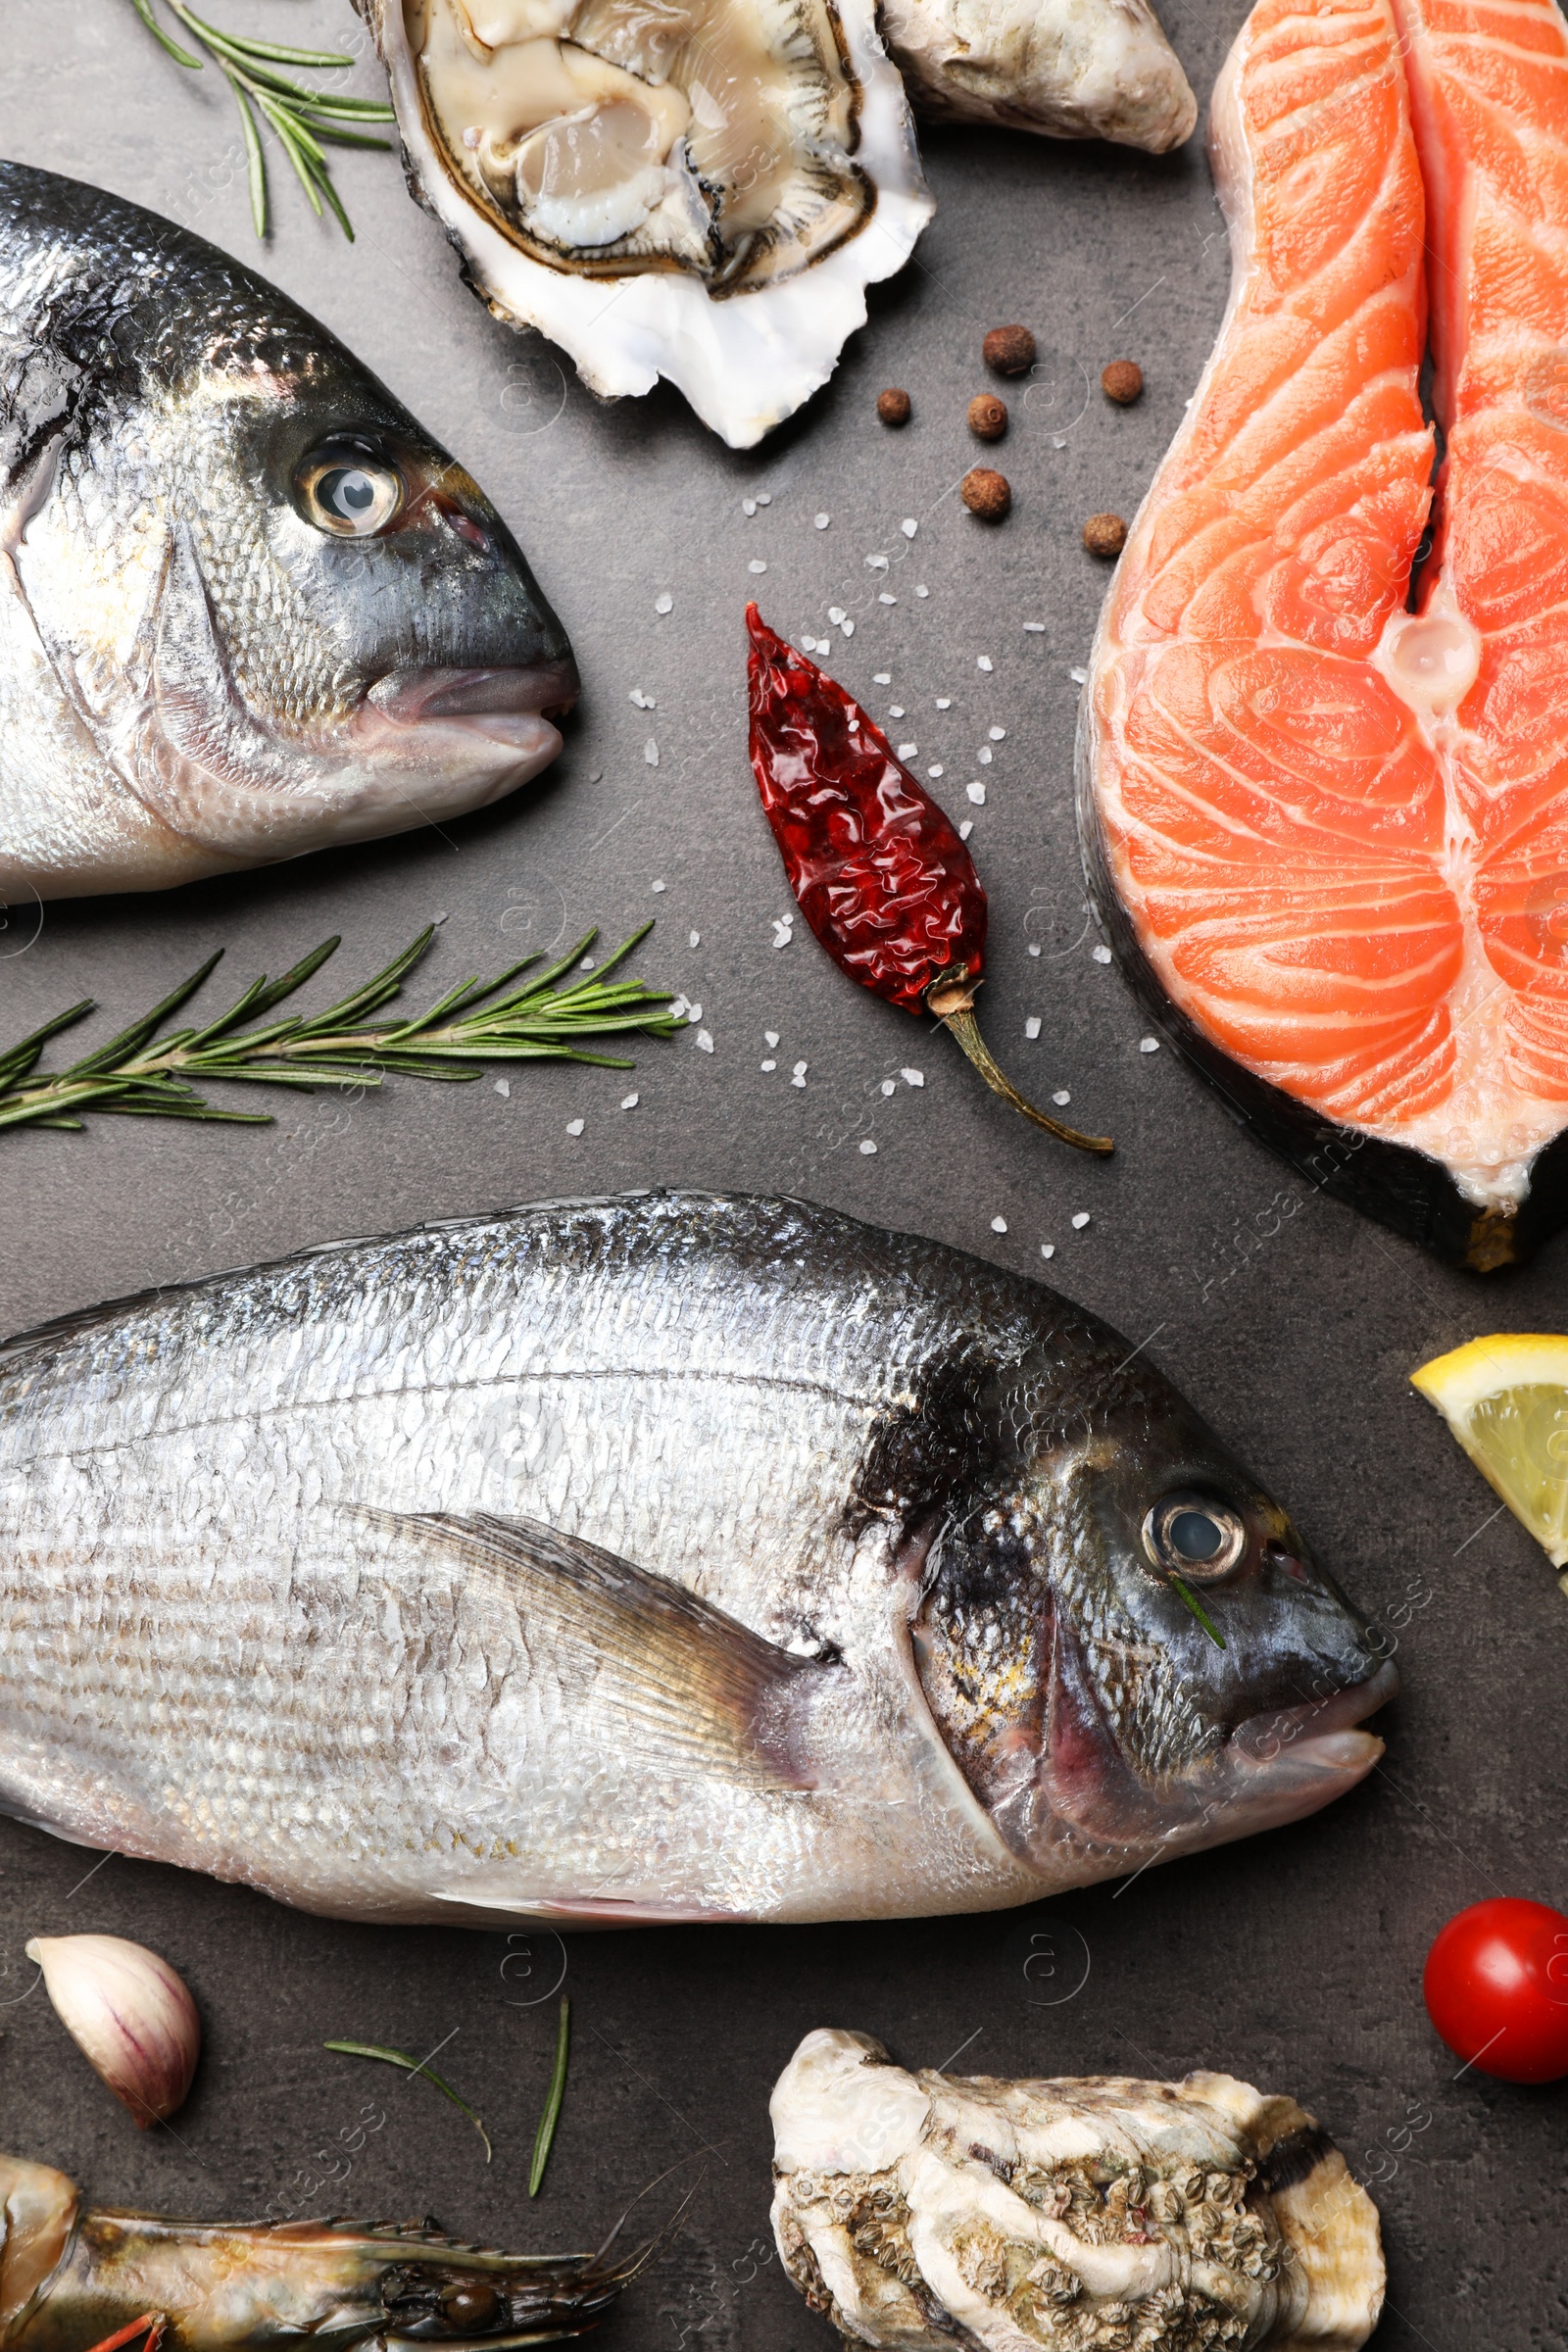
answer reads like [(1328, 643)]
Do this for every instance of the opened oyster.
[(921, 2210), (701, 189)]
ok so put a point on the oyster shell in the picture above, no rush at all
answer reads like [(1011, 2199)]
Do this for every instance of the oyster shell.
[(700, 189), (919, 2210), (1071, 68)]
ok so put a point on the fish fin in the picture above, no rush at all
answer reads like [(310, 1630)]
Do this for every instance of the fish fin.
[(690, 1680)]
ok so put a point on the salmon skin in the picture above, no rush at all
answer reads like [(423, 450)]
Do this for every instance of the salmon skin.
[(671, 1557), (1323, 760)]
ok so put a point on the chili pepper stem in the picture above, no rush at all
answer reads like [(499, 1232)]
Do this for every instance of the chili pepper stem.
[(953, 1003)]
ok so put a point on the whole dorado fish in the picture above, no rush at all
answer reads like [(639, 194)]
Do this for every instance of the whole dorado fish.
[(672, 1558), (248, 607)]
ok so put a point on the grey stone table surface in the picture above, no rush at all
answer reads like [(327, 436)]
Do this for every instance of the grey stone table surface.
[(1293, 1959)]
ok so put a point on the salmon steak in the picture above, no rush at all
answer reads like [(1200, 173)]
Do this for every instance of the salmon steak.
[(1323, 754)]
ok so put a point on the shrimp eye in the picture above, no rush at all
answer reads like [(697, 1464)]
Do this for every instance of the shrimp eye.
[(470, 2307), (350, 491), (1194, 1535)]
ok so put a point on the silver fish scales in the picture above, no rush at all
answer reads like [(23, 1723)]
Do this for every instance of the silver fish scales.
[(670, 1558)]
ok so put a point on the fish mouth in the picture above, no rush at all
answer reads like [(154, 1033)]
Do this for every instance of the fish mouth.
[(1320, 1735), (496, 726)]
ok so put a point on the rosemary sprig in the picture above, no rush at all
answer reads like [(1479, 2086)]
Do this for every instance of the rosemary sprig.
[(299, 117), (474, 1025), (412, 2066), (551, 2115)]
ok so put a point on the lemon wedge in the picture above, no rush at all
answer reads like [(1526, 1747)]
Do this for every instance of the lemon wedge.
[(1505, 1400)]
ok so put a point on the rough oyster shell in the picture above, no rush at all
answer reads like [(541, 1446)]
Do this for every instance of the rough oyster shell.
[(917, 2210), (1071, 68), (700, 189)]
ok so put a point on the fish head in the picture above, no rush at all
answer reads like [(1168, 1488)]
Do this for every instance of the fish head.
[(288, 615), (1126, 1644)]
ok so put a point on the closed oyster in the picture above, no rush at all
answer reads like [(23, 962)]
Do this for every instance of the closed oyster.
[(700, 189), (1100, 2215), (1070, 69)]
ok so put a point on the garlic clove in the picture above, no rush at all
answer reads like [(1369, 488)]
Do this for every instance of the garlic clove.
[(129, 2013)]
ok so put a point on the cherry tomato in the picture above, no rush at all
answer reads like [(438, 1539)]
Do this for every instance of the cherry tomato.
[(1497, 1988)]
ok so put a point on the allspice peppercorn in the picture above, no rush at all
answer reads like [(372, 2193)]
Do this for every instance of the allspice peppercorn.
[(1105, 534), (985, 493), (1009, 349), (894, 407), (988, 416), (1122, 381)]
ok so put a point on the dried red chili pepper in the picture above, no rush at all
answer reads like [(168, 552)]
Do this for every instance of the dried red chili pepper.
[(879, 872)]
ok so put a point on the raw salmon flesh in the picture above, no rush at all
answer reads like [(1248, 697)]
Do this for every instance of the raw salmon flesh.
[(1324, 753)]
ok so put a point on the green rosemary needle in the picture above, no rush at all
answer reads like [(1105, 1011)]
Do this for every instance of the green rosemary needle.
[(412, 2066), (470, 1029), (300, 118), (544, 2136)]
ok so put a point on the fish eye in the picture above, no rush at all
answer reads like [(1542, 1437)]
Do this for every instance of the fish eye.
[(1194, 1535), (350, 492)]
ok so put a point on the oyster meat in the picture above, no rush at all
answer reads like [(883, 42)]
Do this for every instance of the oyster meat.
[(918, 2211), (699, 189)]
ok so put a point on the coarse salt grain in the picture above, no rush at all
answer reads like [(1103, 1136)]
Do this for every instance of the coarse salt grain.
[(747, 505), (765, 498), (984, 755), (1149, 1045), (846, 627), (835, 614), (909, 750), (1080, 1220), (502, 1086), (770, 1037), (1034, 629), (1102, 955), (881, 677), (756, 564), (655, 887), (935, 773), (922, 591), (878, 563), (943, 702), (1047, 1248), (913, 1077), (1079, 677), (867, 1146), (895, 710), (908, 526), (587, 964), (797, 1074), (1061, 1097), (768, 1065), (1059, 440), (677, 1010), (574, 1126), (821, 521), (997, 734), (665, 603), (651, 752), (644, 702), (694, 939), (977, 794), (998, 1224), (984, 661), (1031, 1027), (1034, 950), (967, 828), (694, 1012), (890, 1086), (885, 599), (628, 1101), (704, 1044)]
